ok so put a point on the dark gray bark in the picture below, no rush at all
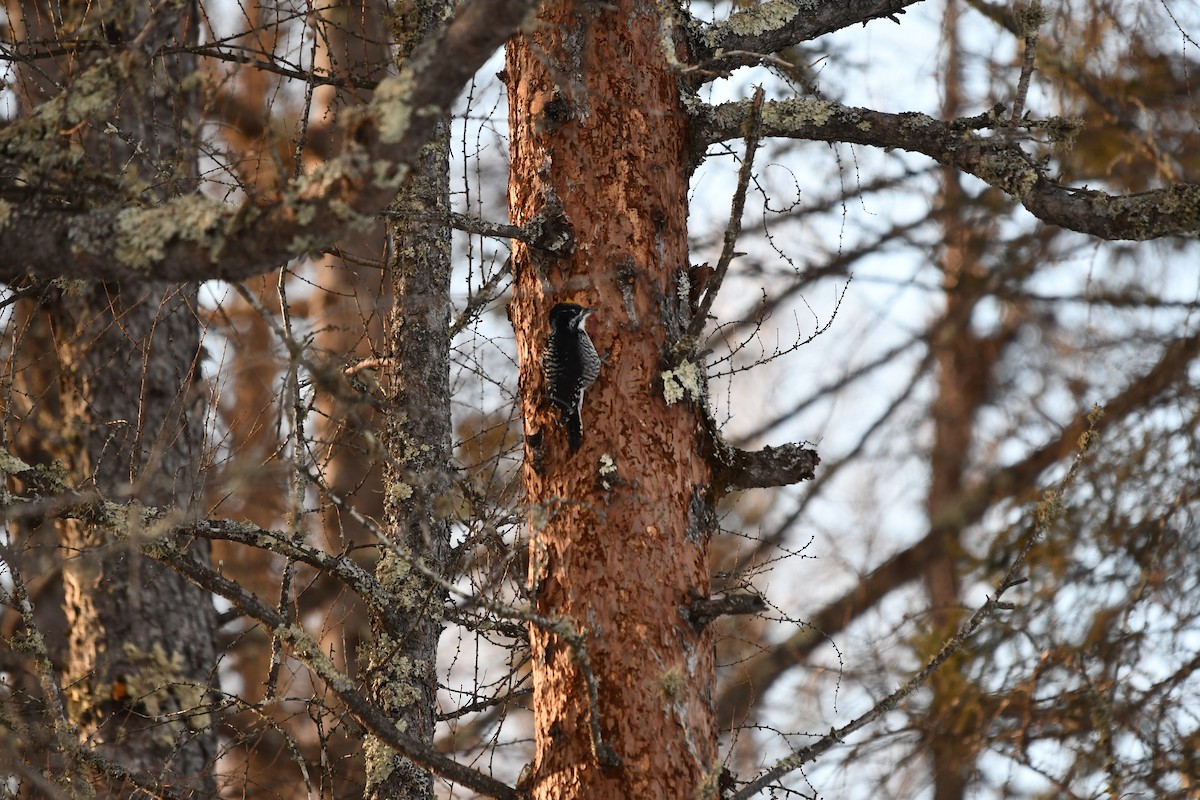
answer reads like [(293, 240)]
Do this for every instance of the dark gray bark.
[(142, 638), (403, 667), (124, 385), (765, 28)]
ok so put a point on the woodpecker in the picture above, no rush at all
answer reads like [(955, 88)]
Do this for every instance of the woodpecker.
[(571, 365)]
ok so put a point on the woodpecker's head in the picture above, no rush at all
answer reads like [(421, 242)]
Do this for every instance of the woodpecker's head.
[(569, 317)]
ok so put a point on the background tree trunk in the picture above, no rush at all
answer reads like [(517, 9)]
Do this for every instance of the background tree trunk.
[(597, 124), (142, 654), (418, 486)]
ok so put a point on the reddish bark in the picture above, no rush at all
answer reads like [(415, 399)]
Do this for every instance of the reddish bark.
[(597, 124)]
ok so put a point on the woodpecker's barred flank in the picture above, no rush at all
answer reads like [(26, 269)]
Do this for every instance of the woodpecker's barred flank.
[(571, 365)]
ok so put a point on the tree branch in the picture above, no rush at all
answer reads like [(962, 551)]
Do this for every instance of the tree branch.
[(197, 238), (703, 610), (769, 27), (344, 570), (733, 229), (771, 466), (996, 160), (308, 650)]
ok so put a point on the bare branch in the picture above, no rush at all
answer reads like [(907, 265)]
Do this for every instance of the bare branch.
[(1048, 510), (997, 160), (764, 669), (733, 229), (350, 574), (771, 466), (308, 650), (765, 28), (1031, 16), (484, 295), (703, 610)]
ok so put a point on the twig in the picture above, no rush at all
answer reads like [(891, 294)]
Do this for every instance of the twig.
[(1047, 511), (62, 732), (601, 751), (562, 627), (467, 224), (310, 652), (1029, 19), (482, 227), (733, 229), (486, 294)]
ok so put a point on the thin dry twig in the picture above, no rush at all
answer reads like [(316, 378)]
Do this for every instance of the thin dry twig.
[(734, 228), (1047, 511), (1029, 18)]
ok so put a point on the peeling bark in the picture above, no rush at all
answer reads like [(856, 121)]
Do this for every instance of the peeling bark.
[(619, 530)]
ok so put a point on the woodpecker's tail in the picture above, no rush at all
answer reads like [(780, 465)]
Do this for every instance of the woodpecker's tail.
[(574, 431)]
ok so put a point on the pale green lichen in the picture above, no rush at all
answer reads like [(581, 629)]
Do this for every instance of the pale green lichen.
[(681, 382), (52, 477), (388, 175), (806, 110), (1008, 173), (392, 572), (133, 519), (10, 464), (69, 286), (607, 465), (309, 651), (93, 92), (671, 683), (391, 107), (916, 119), (381, 760), (301, 245), (402, 689), (144, 233), (1030, 17), (27, 640), (404, 448), (397, 492), (305, 214), (344, 211), (1062, 131), (757, 19), (157, 683)]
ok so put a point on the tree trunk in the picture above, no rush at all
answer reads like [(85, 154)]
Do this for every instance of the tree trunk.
[(142, 639), (620, 529), (403, 664), (142, 646), (963, 377)]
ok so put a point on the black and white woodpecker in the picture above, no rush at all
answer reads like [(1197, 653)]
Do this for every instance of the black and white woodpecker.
[(571, 365)]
